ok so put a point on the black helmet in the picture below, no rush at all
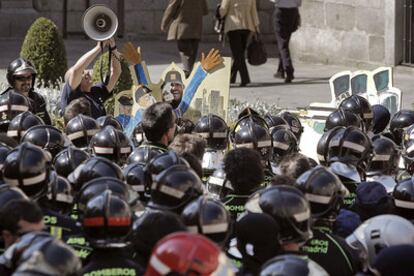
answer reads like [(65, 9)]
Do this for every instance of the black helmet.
[(324, 191), (52, 257), (399, 122), (162, 162), (381, 118), (291, 265), (107, 221), (284, 142), (256, 248), (250, 134), (97, 186), (359, 105), (150, 227), (9, 193), (208, 217), (109, 120), (60, 194), (11, 104), (21, 123), (247, 116), (174, 188), (403, 195), (138, 135), (67, 160), (350, 146), (112, 144), (289, 207), (385, 157), (144, 154), (93, 168), (344, 118), (4, 151), (27, 167), (136, 177), (249, 112), (218, 186), (20, 66), (81, 129), (47, 137), (293, 122), (275, 120), (214, 129), (323, 145)]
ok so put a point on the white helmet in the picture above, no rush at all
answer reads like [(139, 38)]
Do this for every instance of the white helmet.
[(378, 233)]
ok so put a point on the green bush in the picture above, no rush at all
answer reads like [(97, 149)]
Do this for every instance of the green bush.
[(44, 46), (124, 82)]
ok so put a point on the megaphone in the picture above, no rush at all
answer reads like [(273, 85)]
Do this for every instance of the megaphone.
[(100, 22)]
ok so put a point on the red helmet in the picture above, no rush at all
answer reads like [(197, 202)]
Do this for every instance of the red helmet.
[(184, 253)]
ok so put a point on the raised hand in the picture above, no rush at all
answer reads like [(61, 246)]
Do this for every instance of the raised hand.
[(109, 42), (212, 60), (132, 55)]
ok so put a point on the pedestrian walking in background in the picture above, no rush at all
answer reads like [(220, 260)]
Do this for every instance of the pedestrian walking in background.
[(241, 21), (184, 21), (286, 22)]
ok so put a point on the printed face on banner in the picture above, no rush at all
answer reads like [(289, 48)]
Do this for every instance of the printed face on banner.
[(212, 96)]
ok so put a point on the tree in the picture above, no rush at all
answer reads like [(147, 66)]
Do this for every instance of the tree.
[(43, 45)]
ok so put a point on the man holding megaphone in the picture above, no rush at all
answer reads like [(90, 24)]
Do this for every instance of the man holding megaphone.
[(79, 80), (99, 23)]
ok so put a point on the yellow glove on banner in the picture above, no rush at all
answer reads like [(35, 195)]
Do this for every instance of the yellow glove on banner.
[(132, 55), (212, 60)]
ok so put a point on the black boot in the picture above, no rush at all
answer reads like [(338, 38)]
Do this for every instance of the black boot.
[(289, 78)]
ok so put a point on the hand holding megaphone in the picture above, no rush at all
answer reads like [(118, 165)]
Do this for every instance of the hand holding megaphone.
[(110, 43)]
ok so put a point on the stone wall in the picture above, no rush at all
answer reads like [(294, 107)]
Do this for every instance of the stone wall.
[(142, 18), (16, 16), (355, 32)]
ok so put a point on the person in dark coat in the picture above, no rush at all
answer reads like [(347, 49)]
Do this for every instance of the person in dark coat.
[(184, 21)]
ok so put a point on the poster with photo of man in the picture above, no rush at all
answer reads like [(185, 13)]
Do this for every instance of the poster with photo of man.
[(210, 74), (212, 95)]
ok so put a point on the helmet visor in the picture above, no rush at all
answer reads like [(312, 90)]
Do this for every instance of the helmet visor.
[(212, 160), (218, 187)]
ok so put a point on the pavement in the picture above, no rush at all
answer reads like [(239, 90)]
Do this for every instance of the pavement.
[(310, 83)]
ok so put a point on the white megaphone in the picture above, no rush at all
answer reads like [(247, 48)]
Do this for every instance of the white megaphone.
[(100, 22)]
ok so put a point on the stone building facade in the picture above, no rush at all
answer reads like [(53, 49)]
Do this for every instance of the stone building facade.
[(351, 31), (356, 32), (138, 18)]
